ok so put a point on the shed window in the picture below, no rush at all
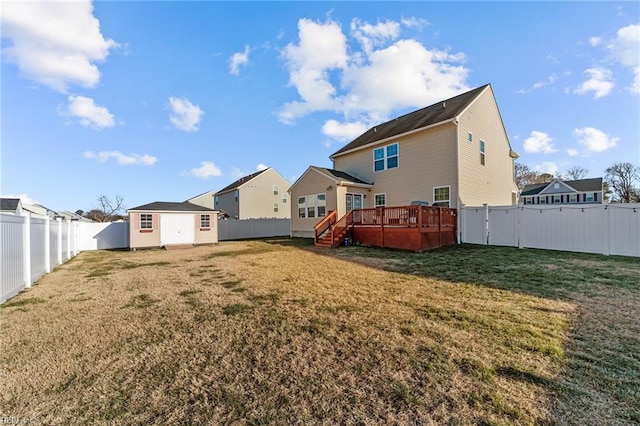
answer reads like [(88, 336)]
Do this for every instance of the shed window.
[(205, 221), (146, 221)]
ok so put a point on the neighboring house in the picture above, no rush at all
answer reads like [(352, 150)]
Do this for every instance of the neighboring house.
[(582, 191), (453, 153), (40, 210), (11, 206), (162, 224), (66, 214), (259, 195), (205, 200)]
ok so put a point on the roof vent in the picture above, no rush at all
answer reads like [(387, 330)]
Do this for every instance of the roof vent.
[(375, 129), (444, 105)]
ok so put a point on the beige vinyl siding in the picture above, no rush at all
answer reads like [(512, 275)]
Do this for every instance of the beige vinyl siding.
[(138, 239), (312, 182), (151, 238), (257, 198), (206, 236), (492, 183), (426, 160), (204, 200)]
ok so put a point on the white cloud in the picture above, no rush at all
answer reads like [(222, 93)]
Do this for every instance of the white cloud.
[(600, 82), (365, 86), (237, 173), (594, 140), (413, 22), (540, 84), (595, 41), (343, 131), (370, 36), (572, 152), (23, 197), (261, 167), (238, 59), (124, 160), (539, 142), (206, 170), (55, 43), (185, 115), (547, 167), (624, 46), (89, 114), (321, 47)]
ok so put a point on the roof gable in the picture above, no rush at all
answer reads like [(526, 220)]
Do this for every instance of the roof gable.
[(336, 176), (238, 183), (557, 186), (437, 113)]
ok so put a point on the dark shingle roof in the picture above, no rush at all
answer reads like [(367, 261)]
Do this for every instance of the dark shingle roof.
[(581, 185), (9, 204), (343, 175), (240, 181), (436, 113), (173, 207)]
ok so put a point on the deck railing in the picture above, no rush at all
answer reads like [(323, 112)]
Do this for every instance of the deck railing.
[(405, 217), (324, 225)]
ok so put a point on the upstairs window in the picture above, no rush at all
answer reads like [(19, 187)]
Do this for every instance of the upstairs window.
[(216, 198), (385, 157), (470, 137), (276, 190), (284, 198), (482, 152), (236, 195)]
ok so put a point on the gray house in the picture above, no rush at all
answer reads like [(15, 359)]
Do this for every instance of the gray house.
[(582, 191)]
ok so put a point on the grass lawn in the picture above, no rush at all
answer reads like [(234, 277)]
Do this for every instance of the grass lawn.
[(278, 332)]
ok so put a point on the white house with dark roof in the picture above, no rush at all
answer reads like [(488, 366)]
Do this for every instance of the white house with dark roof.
[(453, 153), (582, 191)]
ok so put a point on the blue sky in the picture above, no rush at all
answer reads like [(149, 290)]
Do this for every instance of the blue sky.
[(161, 101)]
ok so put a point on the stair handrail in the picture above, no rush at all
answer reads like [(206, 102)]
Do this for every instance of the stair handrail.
[(326, 223), (342, 224)]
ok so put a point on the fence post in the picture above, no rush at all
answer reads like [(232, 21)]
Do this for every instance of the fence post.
[(26, 249), (607, 225), (485, 227), (59, 242), (47, 244), (519, 227), (462, 229), (68, 248)]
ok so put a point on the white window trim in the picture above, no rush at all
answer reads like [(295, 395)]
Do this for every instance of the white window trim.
[(470, 137), (202, 221), (440, 187), (385, 158), (148, 221), (483, 152), (375, 202)]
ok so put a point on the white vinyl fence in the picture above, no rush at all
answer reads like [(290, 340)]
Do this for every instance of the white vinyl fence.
[(32, 245), (232, 229), (603, 228)]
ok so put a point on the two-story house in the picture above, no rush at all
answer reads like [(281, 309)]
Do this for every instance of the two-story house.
[(453, 153), (582, 191), (262, 194)]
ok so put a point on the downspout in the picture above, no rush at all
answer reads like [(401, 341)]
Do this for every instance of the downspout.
[(459, 201)]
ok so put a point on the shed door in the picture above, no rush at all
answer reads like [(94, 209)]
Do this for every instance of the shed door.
[(177, 229)]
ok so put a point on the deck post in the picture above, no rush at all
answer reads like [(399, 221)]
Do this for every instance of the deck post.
[(439, 226)]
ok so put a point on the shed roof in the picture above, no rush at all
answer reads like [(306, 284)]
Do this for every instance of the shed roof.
[(433, 114), (173, 207)]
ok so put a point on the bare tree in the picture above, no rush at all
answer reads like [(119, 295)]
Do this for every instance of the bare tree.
[(622, 179), (576, 173), (107, 209), (523, 175)]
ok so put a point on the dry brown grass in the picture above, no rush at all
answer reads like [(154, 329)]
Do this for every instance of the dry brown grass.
[(258, 333)]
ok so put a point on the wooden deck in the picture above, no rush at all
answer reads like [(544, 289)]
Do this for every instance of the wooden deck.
[(415, 228)]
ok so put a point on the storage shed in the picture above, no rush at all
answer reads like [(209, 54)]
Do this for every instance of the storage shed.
[(162, 224)]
